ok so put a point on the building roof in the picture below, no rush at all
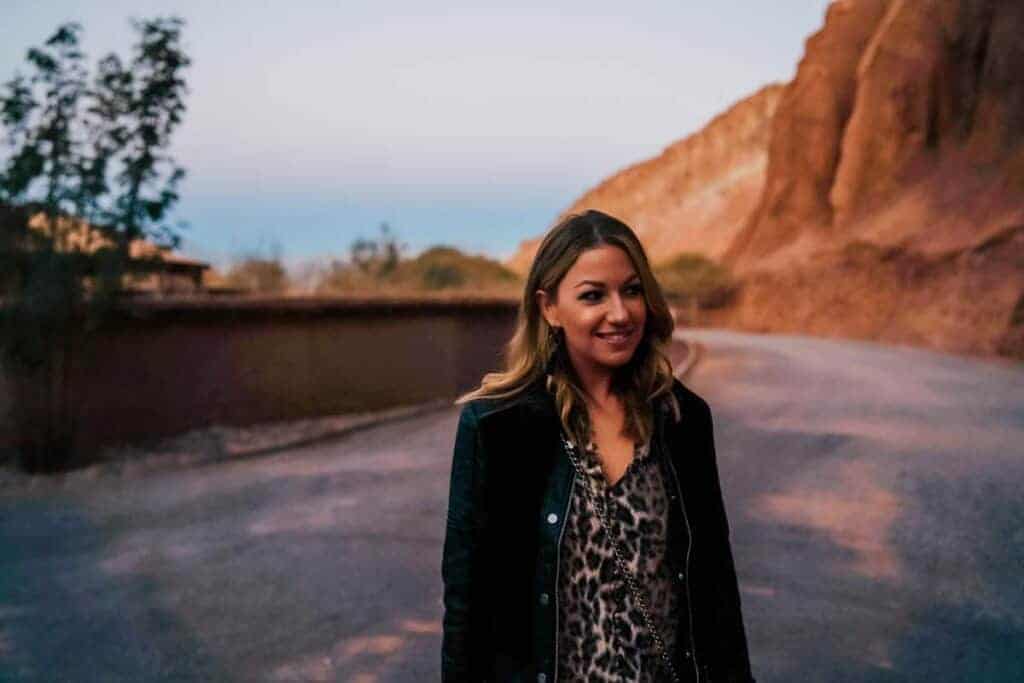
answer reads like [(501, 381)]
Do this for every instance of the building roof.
[(78, 234)]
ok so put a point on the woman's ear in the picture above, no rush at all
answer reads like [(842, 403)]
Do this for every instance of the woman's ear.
[(546, 305)]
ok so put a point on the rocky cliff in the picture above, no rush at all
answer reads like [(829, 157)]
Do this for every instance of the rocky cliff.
[(900, 140), (891, 201), (697, 194), (904, 126)]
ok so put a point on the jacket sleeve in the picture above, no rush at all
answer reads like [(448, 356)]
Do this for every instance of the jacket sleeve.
[(734, 659), (464, 619)]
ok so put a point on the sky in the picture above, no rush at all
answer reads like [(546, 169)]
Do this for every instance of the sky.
[(309, 123)]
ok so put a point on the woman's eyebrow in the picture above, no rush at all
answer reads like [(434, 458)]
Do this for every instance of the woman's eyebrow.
[(598, 283)]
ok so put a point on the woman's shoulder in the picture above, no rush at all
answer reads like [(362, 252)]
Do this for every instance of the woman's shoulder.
[(474, 408), (531, 396), (689, 401)]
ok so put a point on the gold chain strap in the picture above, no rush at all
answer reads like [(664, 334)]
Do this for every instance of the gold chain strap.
[(621, 562)]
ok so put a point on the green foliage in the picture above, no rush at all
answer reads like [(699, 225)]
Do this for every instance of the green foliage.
[(98, 150), (85, 158), (376, 258), (443, 276), (39, 114), (377, 267), (692, 277), (370, 263), (444, 267)]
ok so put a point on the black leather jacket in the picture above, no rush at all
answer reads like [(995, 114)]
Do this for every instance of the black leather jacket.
[(510, 489)]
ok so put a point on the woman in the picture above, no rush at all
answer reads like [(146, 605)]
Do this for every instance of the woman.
[(586, 536)]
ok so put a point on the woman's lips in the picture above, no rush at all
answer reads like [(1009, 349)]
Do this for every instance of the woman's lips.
[(618, 338)]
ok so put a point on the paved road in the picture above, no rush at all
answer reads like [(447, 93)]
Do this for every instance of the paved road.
[(874, 496)]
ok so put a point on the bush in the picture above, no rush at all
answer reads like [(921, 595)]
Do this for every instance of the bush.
[(264, 276), (693, 277), (442, 276), (445, 267), (436, 269)]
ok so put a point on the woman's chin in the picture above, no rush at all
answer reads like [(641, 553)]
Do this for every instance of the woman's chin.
[(617, 360)]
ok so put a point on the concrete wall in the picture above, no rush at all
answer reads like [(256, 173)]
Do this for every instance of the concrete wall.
[(167, 366)]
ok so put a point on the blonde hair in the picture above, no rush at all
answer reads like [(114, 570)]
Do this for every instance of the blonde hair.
[(533, 351)]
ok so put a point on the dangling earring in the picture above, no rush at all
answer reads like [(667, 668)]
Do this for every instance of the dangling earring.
[(555, 340)]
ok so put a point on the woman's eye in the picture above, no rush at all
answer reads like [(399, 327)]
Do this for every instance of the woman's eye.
[(636, 290), (592, 295)]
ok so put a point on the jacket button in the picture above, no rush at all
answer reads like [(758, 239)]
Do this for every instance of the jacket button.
[(542, 678), (552, 518), (680, 576), (544, 599), (687, 654)]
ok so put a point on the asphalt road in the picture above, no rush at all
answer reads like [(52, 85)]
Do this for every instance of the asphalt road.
[(874, 495)]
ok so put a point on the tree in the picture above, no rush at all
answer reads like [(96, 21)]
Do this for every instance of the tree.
[(371, 265), (87, 173), (379, 257)]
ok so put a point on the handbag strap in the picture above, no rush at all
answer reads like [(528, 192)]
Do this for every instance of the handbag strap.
[(620, 561)]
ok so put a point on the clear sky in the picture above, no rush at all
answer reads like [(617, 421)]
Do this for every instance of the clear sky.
[(472, 124)]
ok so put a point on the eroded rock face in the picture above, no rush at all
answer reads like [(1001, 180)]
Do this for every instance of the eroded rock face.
[(902, 136), (807, 133), (904, 115), (940, 80), (697, 194), (961, 302)]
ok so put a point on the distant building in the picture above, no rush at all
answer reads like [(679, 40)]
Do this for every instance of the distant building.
[(173, 274), (152, 270)]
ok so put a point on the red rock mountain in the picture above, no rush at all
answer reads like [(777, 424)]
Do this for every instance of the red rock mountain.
[(904, 126), (697, 194), (891, 206)]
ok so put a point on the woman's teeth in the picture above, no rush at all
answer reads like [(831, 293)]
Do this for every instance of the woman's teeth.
[(615, 336)]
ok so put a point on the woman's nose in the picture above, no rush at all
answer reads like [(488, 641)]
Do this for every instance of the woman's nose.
[(617, 311)]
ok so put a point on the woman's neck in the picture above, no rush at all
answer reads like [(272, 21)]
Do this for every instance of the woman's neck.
[(597, 387)]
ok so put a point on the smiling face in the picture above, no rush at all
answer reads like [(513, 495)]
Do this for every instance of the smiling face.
[(600, 304)]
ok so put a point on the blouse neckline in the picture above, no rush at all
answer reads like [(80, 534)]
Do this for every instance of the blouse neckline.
[(592, 464)]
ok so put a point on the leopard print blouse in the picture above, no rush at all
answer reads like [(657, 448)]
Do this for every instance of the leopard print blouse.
[(601, 634)]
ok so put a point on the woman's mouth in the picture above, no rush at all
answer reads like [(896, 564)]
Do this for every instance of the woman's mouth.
[(617, 338)]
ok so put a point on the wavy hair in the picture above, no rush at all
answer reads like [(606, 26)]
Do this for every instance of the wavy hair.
[(534, 352)]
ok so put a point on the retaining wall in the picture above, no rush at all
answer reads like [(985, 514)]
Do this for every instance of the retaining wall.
[(166, 366)]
